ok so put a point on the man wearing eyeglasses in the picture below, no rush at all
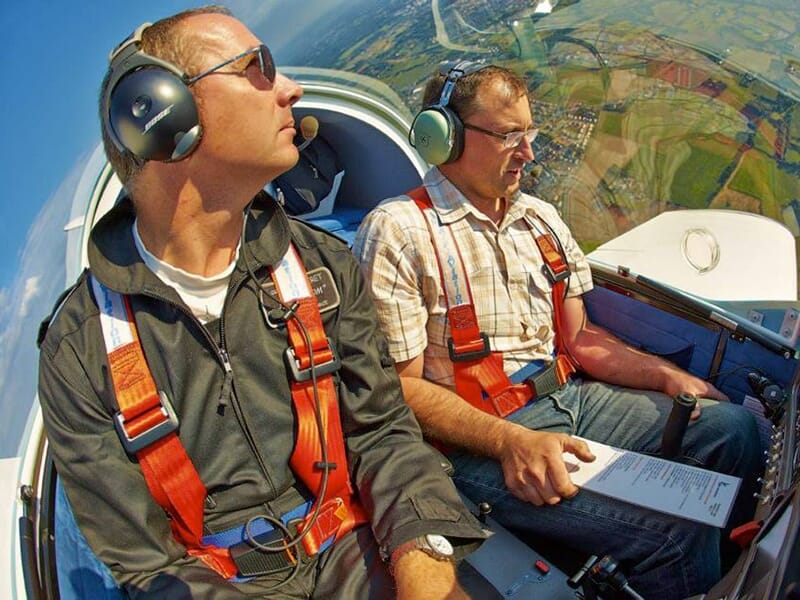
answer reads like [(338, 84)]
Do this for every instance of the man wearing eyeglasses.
[(219, 433), (478, 288)]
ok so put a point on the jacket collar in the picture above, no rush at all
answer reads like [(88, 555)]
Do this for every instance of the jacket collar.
[(116, 263)]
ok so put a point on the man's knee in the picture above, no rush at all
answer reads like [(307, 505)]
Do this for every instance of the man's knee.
[(738, 424), (735, 432)]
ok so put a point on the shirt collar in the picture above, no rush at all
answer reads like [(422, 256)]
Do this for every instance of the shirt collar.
[(451, 205)]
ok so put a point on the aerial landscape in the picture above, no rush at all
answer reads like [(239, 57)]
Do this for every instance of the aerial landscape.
[(634, 118)]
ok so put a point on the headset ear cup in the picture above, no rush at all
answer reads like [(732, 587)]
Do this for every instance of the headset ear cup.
[(433, 134), (457, 128), (153, 115)]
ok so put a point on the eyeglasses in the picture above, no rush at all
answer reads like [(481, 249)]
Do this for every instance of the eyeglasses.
[(265, 62), (512, 139)]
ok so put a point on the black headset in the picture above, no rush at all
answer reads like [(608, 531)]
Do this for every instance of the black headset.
[(437, 131), (148, 110)]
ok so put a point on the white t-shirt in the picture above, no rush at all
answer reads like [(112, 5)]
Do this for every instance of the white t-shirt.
[(203, 295)]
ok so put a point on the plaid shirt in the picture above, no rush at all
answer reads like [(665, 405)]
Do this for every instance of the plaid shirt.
[(504, 266)]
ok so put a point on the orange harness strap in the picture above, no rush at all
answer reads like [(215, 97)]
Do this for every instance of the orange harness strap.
[(479, 375), (557, 272), (147, 426), (339, 509)]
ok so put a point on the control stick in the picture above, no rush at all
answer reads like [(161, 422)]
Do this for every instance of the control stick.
[(682, 406)]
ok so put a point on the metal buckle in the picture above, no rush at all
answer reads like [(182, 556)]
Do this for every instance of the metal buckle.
[(320, 369), (133, 444), (554, 277), (470, 355)]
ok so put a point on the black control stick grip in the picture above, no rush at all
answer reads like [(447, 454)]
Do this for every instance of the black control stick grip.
[(682, 406)]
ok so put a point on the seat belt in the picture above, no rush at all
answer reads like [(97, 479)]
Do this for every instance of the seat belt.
[(478, 372), (311, 363), (147, 425)]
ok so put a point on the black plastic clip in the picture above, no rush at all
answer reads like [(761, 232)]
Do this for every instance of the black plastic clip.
[(252, 561), (554, 277), (544, 382)]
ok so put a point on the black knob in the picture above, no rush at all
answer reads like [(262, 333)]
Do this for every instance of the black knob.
[(671, 440)]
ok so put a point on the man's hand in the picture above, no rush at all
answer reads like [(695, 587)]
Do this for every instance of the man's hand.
[(534, 468), (678, 381), (418, 575)]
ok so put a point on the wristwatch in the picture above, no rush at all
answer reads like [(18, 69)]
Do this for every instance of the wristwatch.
[(431, 544)]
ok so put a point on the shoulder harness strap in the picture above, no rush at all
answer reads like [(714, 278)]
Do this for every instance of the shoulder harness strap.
[(319, 458), (147, 426), (479, 374)]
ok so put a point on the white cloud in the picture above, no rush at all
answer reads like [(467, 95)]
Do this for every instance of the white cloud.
[(31, 289), (5, 304), (24, 305), (253, 13), (280, 22)]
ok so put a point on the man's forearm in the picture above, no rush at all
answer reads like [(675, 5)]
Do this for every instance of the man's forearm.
[(418, 575), (605, 357), (446, 417)]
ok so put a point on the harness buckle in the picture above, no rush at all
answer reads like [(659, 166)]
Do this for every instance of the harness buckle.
[(256, 560), (300, 375), (134, 443), (545, 382), (554, 277), (469, 354)]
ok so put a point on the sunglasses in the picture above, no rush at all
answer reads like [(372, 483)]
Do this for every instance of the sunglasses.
[(265, 62), (512, 139)]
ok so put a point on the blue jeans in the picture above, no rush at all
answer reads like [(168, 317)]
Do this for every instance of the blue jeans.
[(80, 572), (663, 556)]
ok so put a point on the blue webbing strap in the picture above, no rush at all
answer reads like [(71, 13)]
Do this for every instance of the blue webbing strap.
[(528, 371), (259, 526)]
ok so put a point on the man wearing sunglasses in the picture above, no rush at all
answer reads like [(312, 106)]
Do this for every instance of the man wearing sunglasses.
[(478, 288), (218, 432)]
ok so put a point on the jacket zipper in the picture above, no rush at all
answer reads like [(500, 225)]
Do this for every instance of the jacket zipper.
[(228, 390), (227, 394)]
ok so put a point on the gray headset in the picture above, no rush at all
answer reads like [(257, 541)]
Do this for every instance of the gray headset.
[(148, 110), (437, 131)]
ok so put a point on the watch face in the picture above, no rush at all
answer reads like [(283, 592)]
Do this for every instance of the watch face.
[(439, 543)]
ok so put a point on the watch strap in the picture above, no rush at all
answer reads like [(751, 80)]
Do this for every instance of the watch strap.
[(419, 543)]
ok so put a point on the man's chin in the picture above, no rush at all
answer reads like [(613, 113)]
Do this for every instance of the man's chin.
[(511, 190), (286, 160)]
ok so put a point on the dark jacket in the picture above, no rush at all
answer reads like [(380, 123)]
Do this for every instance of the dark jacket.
[(238, 436)]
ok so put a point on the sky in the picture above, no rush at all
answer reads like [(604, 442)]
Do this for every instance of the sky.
[(54, 56), (53, 59)]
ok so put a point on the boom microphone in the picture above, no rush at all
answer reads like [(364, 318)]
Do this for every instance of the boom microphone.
[(309, 127)]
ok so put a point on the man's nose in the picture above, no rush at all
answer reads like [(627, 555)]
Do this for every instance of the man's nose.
[(289, 91), (525, 150)]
